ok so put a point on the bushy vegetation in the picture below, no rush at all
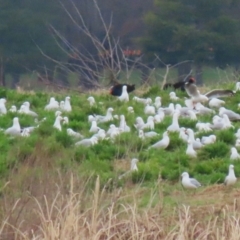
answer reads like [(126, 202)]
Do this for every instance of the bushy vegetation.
[(168, 163)]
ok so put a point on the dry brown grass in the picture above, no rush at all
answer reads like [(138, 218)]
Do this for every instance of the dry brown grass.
[(41, 202)]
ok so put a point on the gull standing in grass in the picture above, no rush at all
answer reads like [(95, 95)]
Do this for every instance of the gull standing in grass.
[(3, 109), (234, 154), (61, 105), (101, 134), (163, 143), (145, 101), (94, 127), (188, 182), (190, 151), (173, 96), (65, 120), (57, 123), (218, 123), (139, 123), (174, 127), (183, 135), (205, 127), (29, 129), (25, 132), (143, 135), (149, 110), (168, 110), (227, 122), (67, 105), (183, 110), (237, 143), (52, 105), (28, 111), (87, 142), (159, 117), (196, 144), (13, 109), (237, 86), (216, 103), (230, 178), (91, 101), (133, 168), (21, 109), (231, 114), (124, 96), (237, 134), (130, 109), (113, 131), (123, 125), (74, 134), (208, 139), (202, 110), (150, 123), (108, 117), (158, 102), (58, 113), (15, 130)]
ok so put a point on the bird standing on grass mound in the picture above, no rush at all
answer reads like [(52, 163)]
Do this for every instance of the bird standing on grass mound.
[(174, 127), (230, 178), (133, 168), (124, 96), (52, 105), (116, 90), (162, 143), (15, 130), (231, 114), (108, 117), (87, 142), (67, 105), (3, 109), (57, 123), (74, 134), (188, 182), (190, 151), (28, 111), (91, 101), (234, 154)]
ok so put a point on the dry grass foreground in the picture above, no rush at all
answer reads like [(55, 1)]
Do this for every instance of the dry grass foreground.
[(40, 202)]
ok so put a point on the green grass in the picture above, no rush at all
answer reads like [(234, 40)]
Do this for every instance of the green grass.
[(39, 166), (168, 163)]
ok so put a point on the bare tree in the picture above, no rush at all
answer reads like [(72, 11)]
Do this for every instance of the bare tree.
[(99, 59)]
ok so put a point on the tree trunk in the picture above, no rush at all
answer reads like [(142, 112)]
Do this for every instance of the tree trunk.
[(2, 74), (144, 74), (62, 77), (183, 71), (198, 71), (87, 80), (15, 80)]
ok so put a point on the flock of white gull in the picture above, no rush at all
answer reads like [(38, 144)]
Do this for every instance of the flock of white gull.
[(155, 113)]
